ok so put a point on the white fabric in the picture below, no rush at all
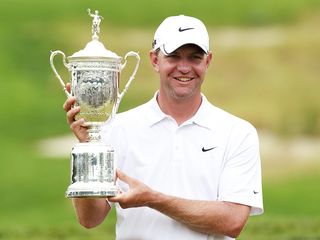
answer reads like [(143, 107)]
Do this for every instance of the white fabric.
[(151, 147), (176, 31)]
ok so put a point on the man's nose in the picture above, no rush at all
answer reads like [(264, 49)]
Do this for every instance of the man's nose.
[(184, 66)]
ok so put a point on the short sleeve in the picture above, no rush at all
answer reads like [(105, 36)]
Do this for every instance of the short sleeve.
[(240, 180)]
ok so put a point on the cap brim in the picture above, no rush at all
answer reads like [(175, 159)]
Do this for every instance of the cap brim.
[(171, 47)]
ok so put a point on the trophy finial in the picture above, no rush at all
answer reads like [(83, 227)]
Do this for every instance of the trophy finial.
[(95, 23)]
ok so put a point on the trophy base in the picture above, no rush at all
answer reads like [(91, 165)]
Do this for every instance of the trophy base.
[(92, 171), (91, 190)]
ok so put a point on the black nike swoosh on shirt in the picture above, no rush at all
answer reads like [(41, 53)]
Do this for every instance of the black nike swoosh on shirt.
[(207, 149), (184, 29)]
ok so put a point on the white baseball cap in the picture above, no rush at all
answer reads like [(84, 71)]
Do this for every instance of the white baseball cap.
[(176, 31)]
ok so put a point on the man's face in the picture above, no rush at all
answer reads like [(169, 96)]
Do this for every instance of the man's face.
[(182, 71)]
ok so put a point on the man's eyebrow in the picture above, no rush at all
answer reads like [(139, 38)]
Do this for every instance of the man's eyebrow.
[(199, 51), (196, 52)]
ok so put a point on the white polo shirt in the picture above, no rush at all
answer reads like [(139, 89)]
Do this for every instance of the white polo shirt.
[(212, 156)]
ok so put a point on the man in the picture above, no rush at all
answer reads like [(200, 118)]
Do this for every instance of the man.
[(186, 169)]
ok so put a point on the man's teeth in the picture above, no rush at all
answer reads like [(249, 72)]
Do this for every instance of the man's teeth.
[(184, 79)]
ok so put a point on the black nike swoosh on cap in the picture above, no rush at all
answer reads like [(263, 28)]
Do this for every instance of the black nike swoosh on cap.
[(184, 29)]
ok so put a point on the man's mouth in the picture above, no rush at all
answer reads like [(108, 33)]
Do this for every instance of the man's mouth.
[(183, 79)]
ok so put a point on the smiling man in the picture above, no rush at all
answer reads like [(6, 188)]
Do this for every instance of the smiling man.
[(186, 169)]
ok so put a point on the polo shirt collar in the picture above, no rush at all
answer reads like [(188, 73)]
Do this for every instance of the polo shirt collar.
[(200, 118), (156, 115)]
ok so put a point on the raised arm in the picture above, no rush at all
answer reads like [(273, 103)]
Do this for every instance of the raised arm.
[(90, 211)]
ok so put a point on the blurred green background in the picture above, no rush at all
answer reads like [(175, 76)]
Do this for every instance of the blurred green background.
[(266, 69)]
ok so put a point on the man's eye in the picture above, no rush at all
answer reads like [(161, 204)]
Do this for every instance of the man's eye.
[(197, 56)]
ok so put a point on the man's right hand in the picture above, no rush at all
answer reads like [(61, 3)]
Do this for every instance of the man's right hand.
[(77, 126)]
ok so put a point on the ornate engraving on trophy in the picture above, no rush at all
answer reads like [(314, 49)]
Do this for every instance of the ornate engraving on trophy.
[(96, 94), (92, 167), (95, 90)]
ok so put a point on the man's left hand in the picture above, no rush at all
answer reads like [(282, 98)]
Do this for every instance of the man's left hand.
[(138, 194)]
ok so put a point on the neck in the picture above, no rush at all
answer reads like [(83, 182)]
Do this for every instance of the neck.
[(179, 109)]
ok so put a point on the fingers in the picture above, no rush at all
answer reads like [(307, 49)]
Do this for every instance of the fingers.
[(71, 114), (68, 87), (116, 198), (123, 177), (76, 126), (121, 195), (135, 196), (68, 103), (67, 106)]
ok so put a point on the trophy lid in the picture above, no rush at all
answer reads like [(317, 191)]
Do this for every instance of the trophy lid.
[(94, 48)]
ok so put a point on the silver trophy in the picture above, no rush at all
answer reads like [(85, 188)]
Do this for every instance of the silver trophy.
[(95, 73)]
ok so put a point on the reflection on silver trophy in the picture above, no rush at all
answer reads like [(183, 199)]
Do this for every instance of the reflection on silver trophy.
[(95, 73)]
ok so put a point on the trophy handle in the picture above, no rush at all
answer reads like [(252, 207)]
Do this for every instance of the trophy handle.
[(53, 54), (120, 95)]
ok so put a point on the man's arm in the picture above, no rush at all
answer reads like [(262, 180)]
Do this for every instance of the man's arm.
[(209, 217), (91, 211)]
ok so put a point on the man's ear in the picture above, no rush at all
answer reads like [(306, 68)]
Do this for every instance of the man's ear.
[(209, 59), (154, 60)]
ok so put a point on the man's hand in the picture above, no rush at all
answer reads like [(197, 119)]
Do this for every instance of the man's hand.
[(208, 217), (138, 194), (77, 127)]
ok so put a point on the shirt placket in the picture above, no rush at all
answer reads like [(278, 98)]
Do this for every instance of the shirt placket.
[(177, 148)]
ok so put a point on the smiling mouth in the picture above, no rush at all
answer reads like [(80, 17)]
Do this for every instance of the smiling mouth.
[(183, 79)]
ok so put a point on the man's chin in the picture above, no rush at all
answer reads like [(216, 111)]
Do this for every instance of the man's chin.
[(183, 95)]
